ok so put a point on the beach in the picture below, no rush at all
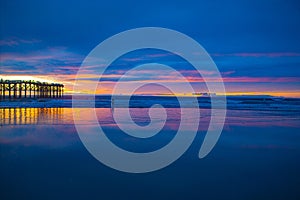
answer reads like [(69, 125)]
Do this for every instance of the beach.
[(256, 157)]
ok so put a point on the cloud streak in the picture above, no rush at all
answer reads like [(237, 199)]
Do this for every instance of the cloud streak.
[(49, 61), (11, 42), (60, 64), (271, 54)]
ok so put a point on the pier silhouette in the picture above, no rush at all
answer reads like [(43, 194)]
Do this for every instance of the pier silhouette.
[(17, 89)]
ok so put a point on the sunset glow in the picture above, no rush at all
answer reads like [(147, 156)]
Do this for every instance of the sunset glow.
[(248, 66)]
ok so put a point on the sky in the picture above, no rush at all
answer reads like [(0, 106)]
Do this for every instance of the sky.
[(255, 44)]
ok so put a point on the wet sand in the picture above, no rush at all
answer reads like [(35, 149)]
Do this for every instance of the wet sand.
[(256, 157)]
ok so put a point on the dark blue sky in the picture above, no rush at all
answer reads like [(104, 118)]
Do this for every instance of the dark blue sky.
[(231, 26), (250, 39)]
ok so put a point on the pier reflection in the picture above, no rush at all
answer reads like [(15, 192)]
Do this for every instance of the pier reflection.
[(23, 116), (63, 116)]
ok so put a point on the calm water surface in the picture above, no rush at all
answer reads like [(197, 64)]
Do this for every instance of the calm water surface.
[(256, 157)]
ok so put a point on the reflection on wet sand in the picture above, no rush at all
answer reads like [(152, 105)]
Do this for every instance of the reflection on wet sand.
[(63, 116), (23, 116)]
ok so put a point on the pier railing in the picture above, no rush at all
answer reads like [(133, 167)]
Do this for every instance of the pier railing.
[(14, 89)]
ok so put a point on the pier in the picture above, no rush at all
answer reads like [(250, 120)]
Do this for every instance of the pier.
[(17, 89)]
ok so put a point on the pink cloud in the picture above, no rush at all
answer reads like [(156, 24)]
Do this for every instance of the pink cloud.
[(262, 79)]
